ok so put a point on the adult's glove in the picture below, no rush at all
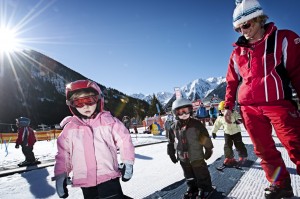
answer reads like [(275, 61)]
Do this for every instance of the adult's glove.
[(17, 146), (208, 153), (214, 135), (61, 185), (126, 171)]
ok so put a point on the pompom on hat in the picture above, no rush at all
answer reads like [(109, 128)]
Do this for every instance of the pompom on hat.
[(246, 10)]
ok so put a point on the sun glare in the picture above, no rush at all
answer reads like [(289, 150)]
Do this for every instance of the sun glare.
[(8, 40)]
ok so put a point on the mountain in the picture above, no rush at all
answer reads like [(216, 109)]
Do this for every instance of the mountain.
[(197, 89), (163, 97), (33, 85)]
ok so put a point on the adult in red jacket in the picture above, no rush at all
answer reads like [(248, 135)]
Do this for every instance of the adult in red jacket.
[(26, 138), (265, 63)]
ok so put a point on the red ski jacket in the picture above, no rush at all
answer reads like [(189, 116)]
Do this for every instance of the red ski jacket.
[(31, 136), (264, 70)]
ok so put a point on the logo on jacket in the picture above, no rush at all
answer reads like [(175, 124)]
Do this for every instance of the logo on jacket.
[(297, 40), (243, 52)]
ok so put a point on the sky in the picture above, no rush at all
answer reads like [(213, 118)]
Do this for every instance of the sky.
[(136, 46)]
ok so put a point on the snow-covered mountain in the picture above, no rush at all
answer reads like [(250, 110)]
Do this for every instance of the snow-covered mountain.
[(163, 97), (197, 89)]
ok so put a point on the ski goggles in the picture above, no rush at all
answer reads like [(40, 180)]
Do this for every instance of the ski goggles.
[(80, 102), (244, 26), (183, 111)]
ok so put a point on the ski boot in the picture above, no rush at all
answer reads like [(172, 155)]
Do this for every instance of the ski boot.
[(24, 163), (242, 160), (190, 193), (230, 162), (275, 192), (205, 194)]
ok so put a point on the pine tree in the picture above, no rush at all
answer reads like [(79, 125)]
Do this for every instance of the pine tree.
[(153, 107)]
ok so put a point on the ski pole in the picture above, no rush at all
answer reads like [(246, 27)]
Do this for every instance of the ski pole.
[(5, 148)]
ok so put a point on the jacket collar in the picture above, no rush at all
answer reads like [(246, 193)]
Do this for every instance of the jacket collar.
[(243, 42)]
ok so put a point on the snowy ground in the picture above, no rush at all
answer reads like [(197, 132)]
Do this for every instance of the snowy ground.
[(153, 170)]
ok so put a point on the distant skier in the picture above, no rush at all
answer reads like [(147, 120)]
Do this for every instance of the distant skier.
[(26, 138), (213, 114), (88, 146), (232, 135), (191, 140), (126, 122), (168, 123), (134, 125), (201, 114)]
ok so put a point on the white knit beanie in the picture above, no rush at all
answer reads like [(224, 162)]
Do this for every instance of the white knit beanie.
[(246, 10)]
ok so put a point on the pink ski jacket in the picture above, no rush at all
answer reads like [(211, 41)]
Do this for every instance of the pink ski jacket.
[(265, 70), (89, 149)]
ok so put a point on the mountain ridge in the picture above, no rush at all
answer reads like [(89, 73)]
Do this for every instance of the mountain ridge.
[(197, 89)]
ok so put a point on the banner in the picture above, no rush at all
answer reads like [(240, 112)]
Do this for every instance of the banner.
[(177, 93)]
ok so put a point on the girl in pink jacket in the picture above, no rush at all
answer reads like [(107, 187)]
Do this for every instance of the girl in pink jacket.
[(88, 146)]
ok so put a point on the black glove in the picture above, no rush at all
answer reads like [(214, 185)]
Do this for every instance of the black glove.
[(214, 135), (126, 171), (173, 159), (17, 146), (207, 154), (171, 152), (61, 185)]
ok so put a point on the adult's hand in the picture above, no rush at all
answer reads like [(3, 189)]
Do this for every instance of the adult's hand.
[(227, 116)]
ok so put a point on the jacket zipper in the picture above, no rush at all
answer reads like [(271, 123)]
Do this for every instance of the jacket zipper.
[(94, 149), (249, 60)]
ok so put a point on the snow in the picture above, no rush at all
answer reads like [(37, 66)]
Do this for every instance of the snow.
[(153, 169)]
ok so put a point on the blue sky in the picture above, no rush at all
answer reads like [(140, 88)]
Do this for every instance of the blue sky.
[(137, 46)]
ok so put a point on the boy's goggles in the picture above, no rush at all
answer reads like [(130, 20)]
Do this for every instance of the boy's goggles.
[(80, 102), (181, 112)]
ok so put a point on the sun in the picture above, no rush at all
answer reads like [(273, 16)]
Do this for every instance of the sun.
[(8, 40)]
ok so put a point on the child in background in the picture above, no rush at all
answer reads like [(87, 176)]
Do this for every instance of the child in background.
[(201, 114), (126, 122), (213, 114), (232, 135), (26, 138), (88, 146), (192, 138)]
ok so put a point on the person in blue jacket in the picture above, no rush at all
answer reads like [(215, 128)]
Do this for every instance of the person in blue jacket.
[(213, 114), (201, 113)]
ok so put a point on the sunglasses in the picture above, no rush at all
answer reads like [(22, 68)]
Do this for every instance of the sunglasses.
[(244, 26), (80, 102)]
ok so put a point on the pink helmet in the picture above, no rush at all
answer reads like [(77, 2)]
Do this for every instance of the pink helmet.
[(87, 85)]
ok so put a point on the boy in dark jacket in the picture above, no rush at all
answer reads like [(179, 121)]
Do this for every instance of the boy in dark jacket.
[(191, 140), (26, 138)]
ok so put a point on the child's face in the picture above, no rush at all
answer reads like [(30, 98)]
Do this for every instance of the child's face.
[(88, 105), (183, 113)]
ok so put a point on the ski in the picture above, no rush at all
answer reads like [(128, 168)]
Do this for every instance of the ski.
[(25, 164), (223, 166)]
